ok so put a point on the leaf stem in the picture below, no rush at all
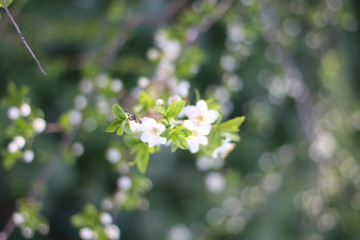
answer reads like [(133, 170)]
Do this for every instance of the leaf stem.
[(22, 37)]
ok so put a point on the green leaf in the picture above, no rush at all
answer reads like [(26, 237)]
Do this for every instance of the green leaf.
[(173, 147), (120, 131), (160, 109), (7, 3), (131, 141), (142, 159), (166, 133), (146, 101), (232, 125), (185, 130), (118, 112), (174, 109), (113, 126), (179, 140)]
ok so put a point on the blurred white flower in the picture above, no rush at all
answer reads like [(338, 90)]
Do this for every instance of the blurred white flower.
[(112, 232), (20, 141), (159, 102), (174, 99), (151, 132), (113, 155), (13, 112), (215, 182), (143, 82), (87, 233), (86, 86), (106, 218), (80, 102), (116, 85), (198, 136), (152, 54), (78, 149), (28, 156), (39, 125), (25, 109), (200, 115), (124, 183), (224, 149), (179, 232), (18, 218)]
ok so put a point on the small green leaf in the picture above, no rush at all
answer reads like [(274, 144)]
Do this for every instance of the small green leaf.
[(179, 140), (232, 125), (166, 133), (7, 3), (174, 109), (185, 130), (142, 159), (120, 131), (146, 101), (173, 147), (160, 109), (113, 126), (118, 112), (131, 141)]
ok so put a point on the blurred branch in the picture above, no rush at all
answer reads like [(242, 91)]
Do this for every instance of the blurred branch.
[(22, 37)]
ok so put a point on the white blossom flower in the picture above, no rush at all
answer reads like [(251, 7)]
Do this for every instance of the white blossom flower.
[(20, 141), (39, 125), (18, 218), (200, 115), (87, 233), (25, 109), (198, 136), (80, 102), (224, 149), (116, 85), (143, 82), (159, 102), (151, 132), (124, 183), (215, 182), (174, 99), (13, 113), (152, 54), (28, 156), (134, 126), (112, 232), (113, 155), (106, 218)]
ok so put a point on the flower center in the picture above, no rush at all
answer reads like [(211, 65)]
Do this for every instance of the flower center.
[(155, 131), (200, 118)]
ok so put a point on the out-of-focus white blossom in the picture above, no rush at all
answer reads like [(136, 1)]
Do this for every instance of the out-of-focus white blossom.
[(116, 85), (112, 232), (18, 218), (134, 126), (224, 149), (13, 113), (179, 232), (124, 183), (28, 156), (25, 109), (87, 233), (153, 54), (106, 218), (215, 182), (75, 117), (80, 102), (20, 141), (151, 132), (86, 86), (39, 125), (143, 82), (27, 232), (78, 149), (159, 102), (113, 155)]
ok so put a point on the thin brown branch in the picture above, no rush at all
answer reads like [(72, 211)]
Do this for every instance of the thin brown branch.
[(22, 37)]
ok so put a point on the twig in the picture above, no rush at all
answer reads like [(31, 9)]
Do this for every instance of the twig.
[(22, 37)]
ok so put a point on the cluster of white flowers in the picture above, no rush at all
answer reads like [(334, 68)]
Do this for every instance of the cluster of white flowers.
[(111, 231)]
